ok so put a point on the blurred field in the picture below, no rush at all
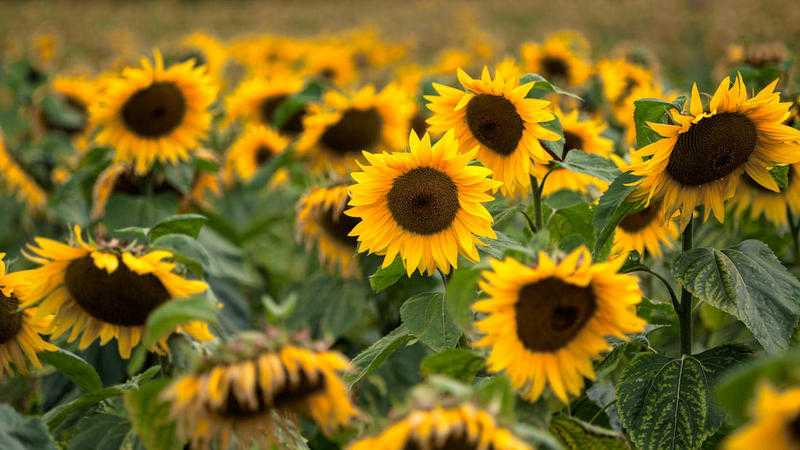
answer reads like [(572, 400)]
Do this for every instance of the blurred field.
[(687, 36)]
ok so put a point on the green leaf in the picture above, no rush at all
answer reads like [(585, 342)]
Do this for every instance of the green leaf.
[(180, 176), (100, 432), (58, 415), (563, 199), (75, 368), (650, 110), (62, 114), (540, 439), (556, 148), (138, 234), (150, 417), (457, 363), (188, 252), (781, 176), (265, 173), (746, 281), (571, 227), (425, 316), (497, 392), (578, 435), (590, 164), (186, 224), (461, 293), (543, 88), (18, 432), (386, 277), (612, 208), (370, 359), (666, 403)]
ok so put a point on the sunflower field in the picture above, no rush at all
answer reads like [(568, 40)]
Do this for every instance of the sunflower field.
[(340, 240)]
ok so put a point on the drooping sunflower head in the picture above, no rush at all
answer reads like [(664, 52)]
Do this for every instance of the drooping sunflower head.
[(560, 59), (14, 178), (247, 382), (252, 150), (321, 222), (257, 99), (78, 93), (545, 323), (425, 205), (104, 290), (462, 427), (700, 159), (758, 55), (495, 115), (776, 421), (342, 126), (155, 113), (20, 331), (579, 134), (759, 201)]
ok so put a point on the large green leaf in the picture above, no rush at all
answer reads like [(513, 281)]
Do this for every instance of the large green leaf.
[(461, 293), (457, 363), (649, 110), (425, 316), (575, 434), (611, 208), (590, 164), (150, 417), (749, 282), (18, 432), (187, 251), (75, 368), (187, 224), (370, 359), (385, 277), (100, 432)]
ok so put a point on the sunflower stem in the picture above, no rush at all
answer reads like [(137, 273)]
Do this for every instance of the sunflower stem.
[(685, 310), (793, 228), (537, 202)]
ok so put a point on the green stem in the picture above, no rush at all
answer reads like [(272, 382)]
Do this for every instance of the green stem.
[(793, 228), (667, 285), (537, 202), (685, 311)]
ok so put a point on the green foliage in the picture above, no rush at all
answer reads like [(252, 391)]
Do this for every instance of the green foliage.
[(590, 164), (460, 295), (457, 363), (149, 417), (370, 359), (386, 277), (101, 431), (612, 208), (650, 110), (76, 368), (578, 435), (426, 318), (23, 433)]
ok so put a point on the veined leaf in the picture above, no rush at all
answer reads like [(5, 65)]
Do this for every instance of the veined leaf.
[(100, 432), (187, 224), (425, 316), (612, 208), (457, 363), (370, 359), (590, 164), (149, 416), (75, 368), (386, 277), (461, 293), (18, 432), (650, 110), (576, 434)]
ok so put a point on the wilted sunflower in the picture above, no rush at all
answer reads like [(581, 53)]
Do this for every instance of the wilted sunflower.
[(700, 160), (776, 422), (545, 323), (342, 126), (154, 113), (239, 389), (252, 150), (760, 201), (425, 205), (463, 427), (18, 181), (320, 221), (560, 58), (79, 93), (494, 115), (585, 135), (20, 331), (257, 99), (103, 290)]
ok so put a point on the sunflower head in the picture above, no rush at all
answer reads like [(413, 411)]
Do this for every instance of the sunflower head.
[(701, 157), (104, 289), (776, 420), (78, 93), (341, 126), (495, 116), (560, 58), (155, 113), (121, 178), (257, 99), (252, 150), (203, 50), (753, 198), (332, 63), (545, 323), (425, 205), (240, 388)]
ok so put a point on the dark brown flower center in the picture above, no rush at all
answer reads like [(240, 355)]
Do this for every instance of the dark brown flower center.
[(641, 219), (550, 313), (339, 225), (70, 129), (712, 148), (263, 155), (155, 111), (555, 69), (456, 440), (424, 200), (356, 130), (794, 429), (287, 396), (132, 184), (122, 297), (418, 124), (328, 73), (495, 123), (292, 126), (10, 318)]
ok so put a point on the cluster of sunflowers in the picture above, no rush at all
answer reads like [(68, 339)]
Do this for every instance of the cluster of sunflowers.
[(395, 169)]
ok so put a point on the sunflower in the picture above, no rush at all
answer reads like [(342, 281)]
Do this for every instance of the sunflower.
[(619, 77), (240, 389), (15, 179), (320, 221), (463, 427), (342, 126), (559, 59), (103, 290), (333, 63), (255, 147), (700, 160), (79, 93), (20, 331), (155, 113), (257, 99), (585, 135), (776, 422), (121, 178), (644, 229), (761, 201), (425, 204), (495, 116), (205, 51), (623, 110), (547, 322)]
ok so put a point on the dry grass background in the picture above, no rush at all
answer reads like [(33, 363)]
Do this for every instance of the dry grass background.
[(687, 36)]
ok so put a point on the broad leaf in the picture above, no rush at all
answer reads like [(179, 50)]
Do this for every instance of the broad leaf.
[(612, 208), (386, 277), (150, 417), (187, 224), (746, 281), (18, 432), (425, 316), (75, 368), (650, 110), (100, 432), (461, 293), (590, 164), (457, 363), (576, 434), (370, 359), (542, 87)]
